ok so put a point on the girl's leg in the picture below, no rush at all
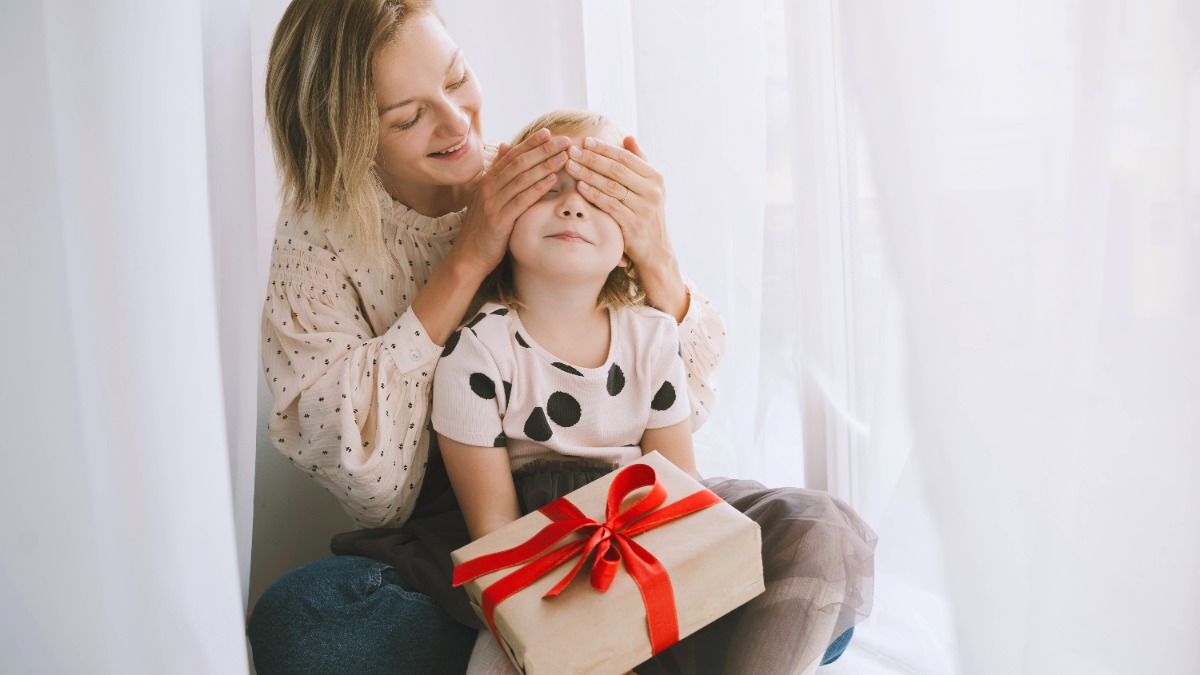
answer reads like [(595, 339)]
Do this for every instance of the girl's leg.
[(349, 614)]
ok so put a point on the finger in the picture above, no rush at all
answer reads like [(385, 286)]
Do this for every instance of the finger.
[(626, 158), (606, 185), (620, 211), (529, 152), (612, 170), (501, 151), (519, 183), (532, 141), (526, 198), (633, 146)]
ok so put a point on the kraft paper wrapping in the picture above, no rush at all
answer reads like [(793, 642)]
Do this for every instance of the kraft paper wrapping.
[(713, 556)]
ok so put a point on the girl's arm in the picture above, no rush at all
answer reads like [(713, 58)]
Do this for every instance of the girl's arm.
[(483, 485), (674, 443)]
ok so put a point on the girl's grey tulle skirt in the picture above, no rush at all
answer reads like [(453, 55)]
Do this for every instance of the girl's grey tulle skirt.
[(818, 565)]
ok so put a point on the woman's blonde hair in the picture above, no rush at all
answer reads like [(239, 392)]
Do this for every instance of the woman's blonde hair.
[(622, 288), (321, 106)]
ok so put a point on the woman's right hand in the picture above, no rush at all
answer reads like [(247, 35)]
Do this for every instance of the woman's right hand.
[(518, 177)]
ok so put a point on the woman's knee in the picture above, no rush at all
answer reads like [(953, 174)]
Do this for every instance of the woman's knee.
[(348, 612)]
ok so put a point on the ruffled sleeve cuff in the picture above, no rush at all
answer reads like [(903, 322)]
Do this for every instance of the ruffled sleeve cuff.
[(409, 344)]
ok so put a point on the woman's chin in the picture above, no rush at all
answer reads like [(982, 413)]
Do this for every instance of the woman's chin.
[(461, 170)]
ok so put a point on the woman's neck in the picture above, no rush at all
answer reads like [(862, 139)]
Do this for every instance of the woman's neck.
[(430, 200)]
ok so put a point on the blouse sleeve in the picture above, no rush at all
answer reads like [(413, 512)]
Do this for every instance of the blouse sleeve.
[(701, 345), (351, 407)]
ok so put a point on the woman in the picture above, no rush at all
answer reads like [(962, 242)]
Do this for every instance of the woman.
[(388, 229)]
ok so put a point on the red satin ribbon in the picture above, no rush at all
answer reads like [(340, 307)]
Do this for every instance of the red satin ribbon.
[(612, 542)]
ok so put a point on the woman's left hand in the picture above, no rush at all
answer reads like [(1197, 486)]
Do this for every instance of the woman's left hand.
[(620, 182)]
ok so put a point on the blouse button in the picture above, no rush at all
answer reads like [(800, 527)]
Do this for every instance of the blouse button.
[(415, 355)]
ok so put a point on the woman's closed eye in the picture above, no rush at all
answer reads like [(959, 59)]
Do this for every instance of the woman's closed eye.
[(455, 85), (411, 123), (417, 118)]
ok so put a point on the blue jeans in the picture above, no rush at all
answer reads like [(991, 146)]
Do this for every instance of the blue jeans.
[(348, 614)]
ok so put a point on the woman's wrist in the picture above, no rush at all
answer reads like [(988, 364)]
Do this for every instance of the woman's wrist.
[(444, 301), (665, 289)]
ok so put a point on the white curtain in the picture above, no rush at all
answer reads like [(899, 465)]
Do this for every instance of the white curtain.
[(118, 520), (1039, 176), (955, 245), (958, 264)]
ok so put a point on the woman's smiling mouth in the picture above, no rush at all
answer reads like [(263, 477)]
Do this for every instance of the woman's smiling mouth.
[(454, 151)]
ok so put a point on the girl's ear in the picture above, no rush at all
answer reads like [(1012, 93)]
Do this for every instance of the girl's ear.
[(625, 262)]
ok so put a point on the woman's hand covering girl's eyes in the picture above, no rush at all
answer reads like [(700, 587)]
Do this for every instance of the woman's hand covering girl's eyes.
[(620, 182), (518, 178)]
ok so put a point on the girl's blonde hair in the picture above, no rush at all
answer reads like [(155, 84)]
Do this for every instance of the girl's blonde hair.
[(321, 106), (622, 288)]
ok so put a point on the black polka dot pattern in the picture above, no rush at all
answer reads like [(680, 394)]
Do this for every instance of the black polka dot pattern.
[(451, 343), (566, 369), (616, 380), (521, 341), (537, 428), (665, 398), (507, 390), (307, 264), (501, 441), (478, 317), (485, 388), (500, 312), (563, 409)]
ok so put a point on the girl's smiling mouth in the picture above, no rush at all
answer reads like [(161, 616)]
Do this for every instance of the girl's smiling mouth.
[(570, 236)]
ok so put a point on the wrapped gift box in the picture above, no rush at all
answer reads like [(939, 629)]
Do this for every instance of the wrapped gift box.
[(713, 557)]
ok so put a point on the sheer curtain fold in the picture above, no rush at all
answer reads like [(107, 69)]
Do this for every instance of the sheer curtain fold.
[(975, 245), (1034, 174), (118, 98), (700, 77)]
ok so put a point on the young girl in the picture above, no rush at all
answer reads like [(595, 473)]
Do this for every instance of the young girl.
[(565, 374)]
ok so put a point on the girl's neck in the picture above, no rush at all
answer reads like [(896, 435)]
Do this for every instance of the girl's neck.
[(564, 319)]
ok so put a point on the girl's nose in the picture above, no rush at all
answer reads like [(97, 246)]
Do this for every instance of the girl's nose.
[(572, 204)]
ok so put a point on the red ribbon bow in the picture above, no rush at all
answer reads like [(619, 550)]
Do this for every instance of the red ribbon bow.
[(611, 540)]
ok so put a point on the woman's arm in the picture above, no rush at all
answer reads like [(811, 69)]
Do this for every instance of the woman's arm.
[(674, 443), (350, 407), (482, 484)]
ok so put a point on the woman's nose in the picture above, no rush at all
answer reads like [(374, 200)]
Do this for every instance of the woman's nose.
[(454, 121)]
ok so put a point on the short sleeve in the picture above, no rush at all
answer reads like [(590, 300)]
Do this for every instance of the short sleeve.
[(468, 394), (669, 404)]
